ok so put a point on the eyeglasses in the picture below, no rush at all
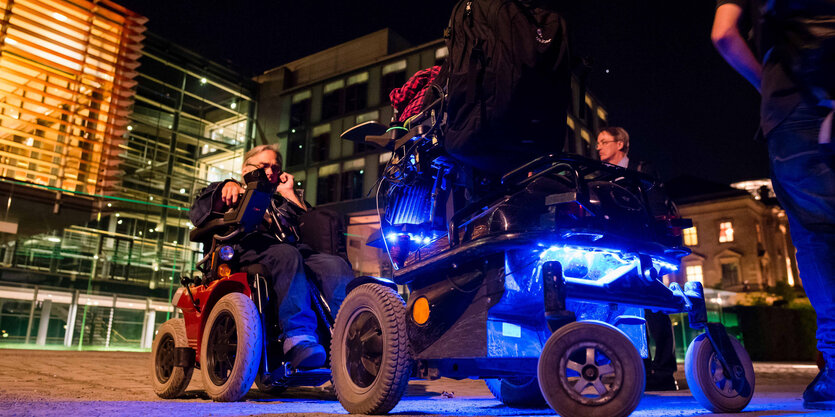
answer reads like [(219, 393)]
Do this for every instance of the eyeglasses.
[(275, 168), (604, 142)]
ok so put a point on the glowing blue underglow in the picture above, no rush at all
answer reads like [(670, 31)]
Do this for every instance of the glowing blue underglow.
[(601, 266), (589, 264), (663, 266), (393, 237)]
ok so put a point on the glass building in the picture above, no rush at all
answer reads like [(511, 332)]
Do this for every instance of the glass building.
[(98, 165)]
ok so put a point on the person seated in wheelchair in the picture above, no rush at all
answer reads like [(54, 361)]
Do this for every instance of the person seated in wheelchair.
[(276, 246)]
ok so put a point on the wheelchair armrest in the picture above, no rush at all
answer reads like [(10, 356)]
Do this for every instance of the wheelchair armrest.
[(213, 227)]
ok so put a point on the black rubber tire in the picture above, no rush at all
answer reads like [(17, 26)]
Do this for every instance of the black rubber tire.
[(706, 380), (380, 391), (518, 392), (169, 381), (566, 375), (247, 351)]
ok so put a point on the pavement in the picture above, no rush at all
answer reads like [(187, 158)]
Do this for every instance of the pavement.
[(66, 383)]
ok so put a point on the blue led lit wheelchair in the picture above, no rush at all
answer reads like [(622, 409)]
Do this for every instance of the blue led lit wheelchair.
[(536, 284)]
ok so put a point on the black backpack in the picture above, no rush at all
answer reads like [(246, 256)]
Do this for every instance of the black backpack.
[(508, 82), (324, 231)]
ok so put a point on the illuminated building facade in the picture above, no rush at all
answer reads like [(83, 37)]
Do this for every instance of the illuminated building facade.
[(67, 72), (739, 239), (99, 161)]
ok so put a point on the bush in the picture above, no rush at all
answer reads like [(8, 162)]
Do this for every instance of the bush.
[(777, 334)]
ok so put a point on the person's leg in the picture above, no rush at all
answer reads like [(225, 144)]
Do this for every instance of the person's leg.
[(332, 274), (663, 364), (804, 182), (292, 292)]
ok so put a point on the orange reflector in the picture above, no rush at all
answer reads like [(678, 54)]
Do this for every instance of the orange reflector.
[(224, 271), (420, 310)]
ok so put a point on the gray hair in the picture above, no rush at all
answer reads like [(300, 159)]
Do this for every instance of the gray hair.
[(261, 148), (619, 134)]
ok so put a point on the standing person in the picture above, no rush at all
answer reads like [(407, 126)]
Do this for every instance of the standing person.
[(282, 255), (801, 168), (613, 147)]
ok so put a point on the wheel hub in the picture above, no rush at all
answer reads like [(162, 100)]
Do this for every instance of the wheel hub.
[(364, 348), (589, 373), (222, 348), (165, 358), (723, 385)]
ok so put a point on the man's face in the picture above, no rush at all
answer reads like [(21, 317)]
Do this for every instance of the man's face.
[(608, 147), (267, 160)]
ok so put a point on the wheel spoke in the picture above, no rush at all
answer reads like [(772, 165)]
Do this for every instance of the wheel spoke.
[(580, 385), (590, 356), (369, 334), (574, 366), (371, 365), (599, 387), (606, 369)]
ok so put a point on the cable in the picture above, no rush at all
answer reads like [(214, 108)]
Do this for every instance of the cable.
[(382, 232)]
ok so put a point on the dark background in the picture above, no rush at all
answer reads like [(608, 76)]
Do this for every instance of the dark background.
[(687, 112)]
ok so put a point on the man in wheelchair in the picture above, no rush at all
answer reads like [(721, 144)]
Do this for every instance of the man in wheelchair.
[(276, 246)]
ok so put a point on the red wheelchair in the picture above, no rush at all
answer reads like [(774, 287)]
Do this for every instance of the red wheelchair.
[(229, 328)]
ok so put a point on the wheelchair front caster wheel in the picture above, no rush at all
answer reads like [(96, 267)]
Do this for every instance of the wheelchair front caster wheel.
[(591, 369), (707, 380)]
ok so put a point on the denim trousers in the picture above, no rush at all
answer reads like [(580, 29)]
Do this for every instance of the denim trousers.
[(292, 288), (804, 182)]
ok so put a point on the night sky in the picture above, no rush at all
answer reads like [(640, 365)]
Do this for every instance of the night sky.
[(687, 112)]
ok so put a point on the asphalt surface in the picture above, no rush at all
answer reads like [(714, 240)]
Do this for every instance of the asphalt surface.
[(61, 383)]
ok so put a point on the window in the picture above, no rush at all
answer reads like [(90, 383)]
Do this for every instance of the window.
[(356, 94), (321, 143), (726, 232), (730, 274), (333, 100), (352, 179), (327, 186), (694, 273), (300, 109), (295, 147), (394, 76), (691, 238)]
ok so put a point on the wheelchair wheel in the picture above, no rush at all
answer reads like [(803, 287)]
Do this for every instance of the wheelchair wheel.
[(591, 369), (370, 357), (169, 380), (707, 380), (231, 348), (518, 392)]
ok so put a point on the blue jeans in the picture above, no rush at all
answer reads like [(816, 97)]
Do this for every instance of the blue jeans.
[(804, 181), (285, 264)]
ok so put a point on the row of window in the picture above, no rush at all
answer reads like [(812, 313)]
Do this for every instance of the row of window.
[(730, 274), (726, 234), (350, 94)]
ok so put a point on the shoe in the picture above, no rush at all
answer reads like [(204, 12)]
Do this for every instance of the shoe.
[(657, 383), (820, 394), (307, 355)]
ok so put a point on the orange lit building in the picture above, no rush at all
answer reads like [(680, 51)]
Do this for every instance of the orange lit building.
[(67, 73)]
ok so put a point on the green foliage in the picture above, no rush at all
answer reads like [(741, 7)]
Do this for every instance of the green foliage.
[(784, 291)]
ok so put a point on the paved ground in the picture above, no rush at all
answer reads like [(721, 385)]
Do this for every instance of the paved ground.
[(58, 383)]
